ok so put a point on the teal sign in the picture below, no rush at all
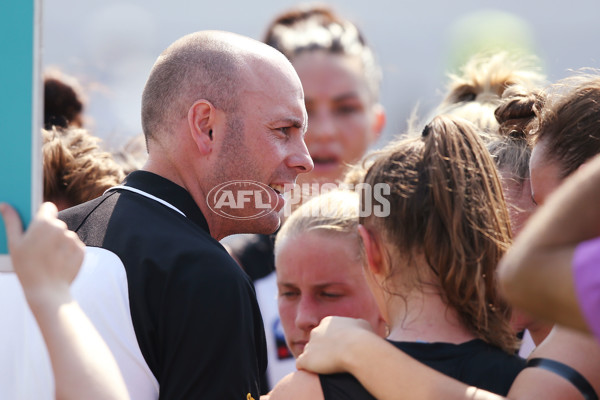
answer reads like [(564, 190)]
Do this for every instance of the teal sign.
[(20, 109)]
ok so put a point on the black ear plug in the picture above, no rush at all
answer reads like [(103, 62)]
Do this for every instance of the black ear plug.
[(210, 134)]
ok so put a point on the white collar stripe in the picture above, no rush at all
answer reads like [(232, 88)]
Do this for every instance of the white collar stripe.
[(148, 195)]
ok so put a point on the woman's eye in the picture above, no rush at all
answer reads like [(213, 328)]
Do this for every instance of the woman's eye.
[(347, 109)]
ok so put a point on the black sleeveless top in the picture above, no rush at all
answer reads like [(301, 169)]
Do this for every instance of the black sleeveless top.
[(475, 363)]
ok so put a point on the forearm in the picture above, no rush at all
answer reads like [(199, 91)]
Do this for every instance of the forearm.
[(542, 283), (387, 373), (571, 214), (82, 363), (536, 272)]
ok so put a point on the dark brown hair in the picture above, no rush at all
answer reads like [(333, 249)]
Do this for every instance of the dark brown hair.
[(63, 105), (569, 123), (447, 205)]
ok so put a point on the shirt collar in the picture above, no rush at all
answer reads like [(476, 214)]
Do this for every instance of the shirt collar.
[(168, 191)]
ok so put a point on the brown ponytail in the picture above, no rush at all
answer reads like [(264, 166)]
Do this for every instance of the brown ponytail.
[(447, 204)]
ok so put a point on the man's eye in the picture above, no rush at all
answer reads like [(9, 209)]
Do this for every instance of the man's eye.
[(288, 294), (286, 130)]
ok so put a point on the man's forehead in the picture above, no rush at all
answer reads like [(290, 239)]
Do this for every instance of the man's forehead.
[(278, 105)]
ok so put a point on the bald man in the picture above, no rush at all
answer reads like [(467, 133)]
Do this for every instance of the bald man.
[(224, 121)]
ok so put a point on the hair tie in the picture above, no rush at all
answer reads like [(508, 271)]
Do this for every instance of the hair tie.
[(426, 130)]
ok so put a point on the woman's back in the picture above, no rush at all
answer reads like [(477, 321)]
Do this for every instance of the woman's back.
[(475, 363)]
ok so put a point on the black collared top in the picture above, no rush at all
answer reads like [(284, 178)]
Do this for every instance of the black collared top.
[(177, 311)]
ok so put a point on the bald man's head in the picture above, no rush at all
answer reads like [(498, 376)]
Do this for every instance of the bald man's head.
[(208, 65)]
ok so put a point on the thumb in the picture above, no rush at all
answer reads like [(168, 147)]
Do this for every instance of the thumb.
[(12, 222)]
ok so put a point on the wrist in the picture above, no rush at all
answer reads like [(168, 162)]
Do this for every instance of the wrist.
[(358, 343), (46, 298)]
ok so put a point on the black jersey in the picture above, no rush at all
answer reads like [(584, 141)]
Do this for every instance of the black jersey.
[(177, 311), (475, 363), (255, 253)]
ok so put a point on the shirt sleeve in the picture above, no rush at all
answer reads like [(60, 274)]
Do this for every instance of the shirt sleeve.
[(586, 277)]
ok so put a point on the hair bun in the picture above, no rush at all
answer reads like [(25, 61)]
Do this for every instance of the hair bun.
[(518, 109)]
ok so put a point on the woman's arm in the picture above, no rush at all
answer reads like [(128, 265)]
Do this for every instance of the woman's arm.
[(46, 259), (537, 272), (577, 350), (342, 344), (299, 385)]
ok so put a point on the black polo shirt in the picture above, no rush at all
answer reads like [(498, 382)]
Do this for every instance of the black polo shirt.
[(177, 311)]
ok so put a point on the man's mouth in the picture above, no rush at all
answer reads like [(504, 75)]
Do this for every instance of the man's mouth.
[(278, 188)]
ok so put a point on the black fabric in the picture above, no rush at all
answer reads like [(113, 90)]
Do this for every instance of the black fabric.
[(194, 311), (475, 363), (568, 373), (255, 253)]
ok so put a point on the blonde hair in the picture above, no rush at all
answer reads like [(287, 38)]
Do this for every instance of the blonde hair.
[(477, 91), (447, 204), (133, 154), (334, 212), (75, 168)]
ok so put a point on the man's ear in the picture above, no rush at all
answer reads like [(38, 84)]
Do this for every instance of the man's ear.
[(373, 251), (201, 121)]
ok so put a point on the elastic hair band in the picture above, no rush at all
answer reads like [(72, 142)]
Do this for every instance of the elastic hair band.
[(566, 372), (426, 131)]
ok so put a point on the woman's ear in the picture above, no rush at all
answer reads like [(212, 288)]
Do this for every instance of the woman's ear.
[(373, 251), (378, 122), (201, 121)]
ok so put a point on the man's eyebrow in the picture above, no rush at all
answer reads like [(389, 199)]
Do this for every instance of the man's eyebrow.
[(295, 122)]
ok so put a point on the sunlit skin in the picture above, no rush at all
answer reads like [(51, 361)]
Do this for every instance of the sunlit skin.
[(520, 207), (545, 178), (270, 149), (519, 200), (321, 274), (343, 118)]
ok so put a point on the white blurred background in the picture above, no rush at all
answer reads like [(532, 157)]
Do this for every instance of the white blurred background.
[(110, 45)]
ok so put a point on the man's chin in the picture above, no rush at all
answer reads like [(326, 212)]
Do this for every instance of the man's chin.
[(266, 224)]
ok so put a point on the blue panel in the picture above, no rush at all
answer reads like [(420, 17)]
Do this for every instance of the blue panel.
[(16, 86)]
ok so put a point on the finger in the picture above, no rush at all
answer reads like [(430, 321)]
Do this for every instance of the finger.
[(47, 211), (12, 223), (300, 361)]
